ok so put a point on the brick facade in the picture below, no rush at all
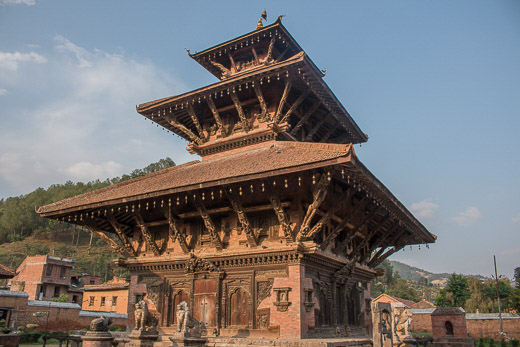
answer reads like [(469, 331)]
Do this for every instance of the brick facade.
[(107, 297), (481, 325), (44, 277)]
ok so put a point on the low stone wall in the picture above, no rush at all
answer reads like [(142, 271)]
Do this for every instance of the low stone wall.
[(488, 325)]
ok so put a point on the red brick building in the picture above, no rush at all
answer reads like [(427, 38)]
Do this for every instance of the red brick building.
[(45, 277), (277, 230)]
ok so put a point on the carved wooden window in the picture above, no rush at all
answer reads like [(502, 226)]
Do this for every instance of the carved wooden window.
[(48, 270)]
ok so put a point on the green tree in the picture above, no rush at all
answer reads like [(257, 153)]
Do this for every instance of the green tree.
[(456, 292)]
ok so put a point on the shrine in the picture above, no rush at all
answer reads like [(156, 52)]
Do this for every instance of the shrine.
[(276, 231)]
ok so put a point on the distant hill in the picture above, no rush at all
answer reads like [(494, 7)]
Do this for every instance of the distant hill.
[(413, 273)]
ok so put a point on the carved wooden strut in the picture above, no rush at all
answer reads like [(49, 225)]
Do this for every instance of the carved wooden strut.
[(111, 243), (283, 219), (242, 217), (146, 233), (118, 228), (174, 232), (215, 239), (319, 195)]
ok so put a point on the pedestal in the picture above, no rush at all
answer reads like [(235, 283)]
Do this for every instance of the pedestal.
[(97, 339), (183, 339), (142, 339)]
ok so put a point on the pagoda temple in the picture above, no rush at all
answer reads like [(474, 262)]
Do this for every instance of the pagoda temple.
[(276, 231)]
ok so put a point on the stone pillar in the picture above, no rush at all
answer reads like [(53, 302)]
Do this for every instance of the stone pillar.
[(382, 324), (97, 339)]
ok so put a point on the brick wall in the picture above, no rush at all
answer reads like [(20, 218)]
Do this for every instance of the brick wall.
[(491, 327), (421, 322), (458, 322)]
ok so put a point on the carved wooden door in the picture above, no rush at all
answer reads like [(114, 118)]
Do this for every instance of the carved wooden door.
[(204, 301), (239, 308)]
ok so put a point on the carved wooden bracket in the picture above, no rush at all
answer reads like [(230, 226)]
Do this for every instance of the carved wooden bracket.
[(260, 97), (283, 218), (109, 241), (240, 111), (319, 195), (195, 120), (282, 302), (341, 226), (174, 232), (146, 233), (242, 217), (295, 105), (215, 239), (216, 115), (118, 228), (186, 131), (285, 95), (316, 127)]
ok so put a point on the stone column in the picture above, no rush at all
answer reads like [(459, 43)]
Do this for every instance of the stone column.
[(97, 339)]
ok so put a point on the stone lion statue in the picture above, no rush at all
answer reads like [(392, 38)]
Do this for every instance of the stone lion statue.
[(144, 321), (185, 323), (100, 324)]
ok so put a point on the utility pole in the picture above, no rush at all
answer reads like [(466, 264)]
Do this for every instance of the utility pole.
[(498, 296)]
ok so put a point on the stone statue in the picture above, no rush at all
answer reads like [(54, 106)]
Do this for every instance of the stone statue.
[(144, 321), (100, 324), (186, 325), (402, 322)]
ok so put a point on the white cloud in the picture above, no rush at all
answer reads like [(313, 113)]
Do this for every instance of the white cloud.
[(11, 61), (468, 217), (516, 218), (74, 118), (17, 2), (424, 209), (3, 91), (86, 171)]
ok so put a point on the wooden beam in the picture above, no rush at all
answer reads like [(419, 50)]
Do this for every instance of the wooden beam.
[(215, 239), (295, 105), (269, 56), (285, 95), (255, 55), (327, 135), (277, 206), (305, 117), (341, 226), (216, 115), (242, 217), (341, 202), (379, 260), (242, 103), (111, 243), (186, 131), (240, 111), (316, 127), (122, 236), (195, 120), (392, 240), (377, 241), (174, 232), (260, 97), (146, 233), (232, 62), (319, 195), (225, 72), (371, 233)]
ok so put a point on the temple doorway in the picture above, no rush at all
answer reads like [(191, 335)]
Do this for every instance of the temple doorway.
[(204, 301)]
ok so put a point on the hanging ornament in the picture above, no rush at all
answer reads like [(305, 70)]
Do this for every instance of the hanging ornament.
[(299, 181), (178, 202), (313, 179), (212, 196), (203, 196), (263, 188), (240, 190), (342, 174), (285, 183), (328, 176), (251, 188)]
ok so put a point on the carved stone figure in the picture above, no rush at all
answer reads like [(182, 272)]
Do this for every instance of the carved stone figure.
[(144, 321), (100, 324), (402, 322), (186, 325), (195, 264)]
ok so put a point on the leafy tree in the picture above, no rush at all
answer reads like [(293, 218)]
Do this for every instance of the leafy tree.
[(62, 298), (517, 277), (456, 292), (401, 289)]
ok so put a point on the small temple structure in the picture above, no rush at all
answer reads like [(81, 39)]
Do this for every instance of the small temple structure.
[(277, 230)]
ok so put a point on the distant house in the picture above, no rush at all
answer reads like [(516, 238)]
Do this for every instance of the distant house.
[(79, 281), (44, 277), (111, 296)]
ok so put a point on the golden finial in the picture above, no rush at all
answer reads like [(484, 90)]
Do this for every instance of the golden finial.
[(264, 14), (259, 25)]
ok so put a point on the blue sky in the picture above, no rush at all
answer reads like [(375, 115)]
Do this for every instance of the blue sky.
[(435, 84)]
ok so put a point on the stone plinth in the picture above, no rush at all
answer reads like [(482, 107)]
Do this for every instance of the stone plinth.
[(142, 339), (97, 339), (180, 339)]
